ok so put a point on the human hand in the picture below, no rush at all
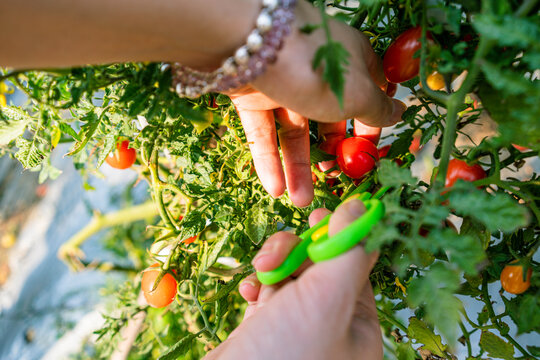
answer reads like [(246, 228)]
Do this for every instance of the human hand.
[(324, 311), (290, 92)]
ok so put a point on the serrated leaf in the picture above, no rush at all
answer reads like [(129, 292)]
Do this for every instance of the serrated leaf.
[(392, 175), (66, 129), (435, 290), (13, 122), (496, 212), (192, 224), (508, 30), (109, 143), (335, 58), (179, 349), (87, 130), (256, 224), (29, 155), (424, 335), (495, 346), (404, 351), (524, 312)]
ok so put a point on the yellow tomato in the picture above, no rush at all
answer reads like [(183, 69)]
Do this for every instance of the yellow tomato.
[(435, 81)]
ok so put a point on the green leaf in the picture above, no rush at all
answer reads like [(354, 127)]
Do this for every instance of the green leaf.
[(476, 230), (13, 122), (66, 129), (87, 131), (390, 174), (192, 224), (424, 335), (335, 58), (435, 290), (496, 347), (228, 287), (524, 312), (108, 146), (256, 223), (179, 349), (534, 350), (317, 155), (216, 249), (404, 351), (496, 212), (29, 155), (48, 172), (508, 30)]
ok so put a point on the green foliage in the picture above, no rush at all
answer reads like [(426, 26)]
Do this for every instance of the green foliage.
[(195, 157)]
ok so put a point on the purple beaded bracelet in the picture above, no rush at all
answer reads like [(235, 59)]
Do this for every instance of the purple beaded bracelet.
[(248, 62)]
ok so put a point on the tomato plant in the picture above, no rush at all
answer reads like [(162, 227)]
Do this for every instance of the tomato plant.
[(195, 158), (459, 169), (158, 292), (513, 280), (123, 157), (356, 156)]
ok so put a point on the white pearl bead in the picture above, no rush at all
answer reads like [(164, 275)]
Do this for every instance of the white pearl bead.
[(179, 88), (270, 4), (264, 22), (241, 56), (164, 67), (254, 41), (229, 67)]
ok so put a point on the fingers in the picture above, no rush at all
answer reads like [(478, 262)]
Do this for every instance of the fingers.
[(294, 140), (317, 215), (249, 288), (345, 275), (370, 133), (260, 130), (339, 127), (274, 251), (375, 108)]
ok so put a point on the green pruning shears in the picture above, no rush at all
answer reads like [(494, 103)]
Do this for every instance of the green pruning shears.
[(316, 243)]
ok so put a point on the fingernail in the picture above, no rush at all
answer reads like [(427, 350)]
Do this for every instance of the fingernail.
[(355, 208), (248, 282), (265, 251)]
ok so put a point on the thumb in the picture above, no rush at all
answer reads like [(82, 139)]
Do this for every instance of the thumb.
[(339, 281)]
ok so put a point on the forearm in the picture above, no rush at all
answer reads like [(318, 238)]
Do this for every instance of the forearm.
[(60, 33)]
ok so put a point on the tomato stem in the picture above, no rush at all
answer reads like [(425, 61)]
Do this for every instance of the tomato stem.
[(487, 301)]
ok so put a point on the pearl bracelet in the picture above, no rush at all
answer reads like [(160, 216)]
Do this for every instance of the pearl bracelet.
[(248, 62)]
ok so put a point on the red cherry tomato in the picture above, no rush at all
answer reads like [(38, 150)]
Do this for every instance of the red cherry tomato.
[(391, 89), (383, 151), (512, 278), (415, 145), (122, 157), (356, 156), (520, 148), (329, 146), (165, 291), (458, 169), (399, 63)]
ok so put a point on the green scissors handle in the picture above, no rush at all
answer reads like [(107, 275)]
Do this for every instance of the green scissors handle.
[(323, 247)]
